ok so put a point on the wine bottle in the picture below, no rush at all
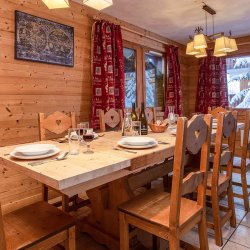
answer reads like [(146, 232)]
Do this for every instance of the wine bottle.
[(143, 120), (133, 113)]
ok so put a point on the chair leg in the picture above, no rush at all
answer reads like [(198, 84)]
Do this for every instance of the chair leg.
[(231, 204), (45, 193), (217, 220), (244, 189), (124, 232), (70, 243), (174, 242), (202, 228), (65, 203)]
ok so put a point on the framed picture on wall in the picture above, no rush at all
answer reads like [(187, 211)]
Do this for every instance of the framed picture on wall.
[(40, 40)]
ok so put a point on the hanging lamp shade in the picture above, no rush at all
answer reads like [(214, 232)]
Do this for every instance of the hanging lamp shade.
[(200, 41), (233, 45), (202, 53), (217, 52), (56, 4), (222, 44), (98, 4), (190, 50)]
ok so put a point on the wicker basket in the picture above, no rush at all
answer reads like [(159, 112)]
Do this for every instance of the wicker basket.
[(158, 128)]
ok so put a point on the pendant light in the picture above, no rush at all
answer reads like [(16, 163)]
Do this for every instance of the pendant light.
[(222, 44), (191, 50), (233, 45), (56, 4), (202, 53), (200, 41), (98, 4)]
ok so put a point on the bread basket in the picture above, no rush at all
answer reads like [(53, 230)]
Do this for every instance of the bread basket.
[(158, 128)]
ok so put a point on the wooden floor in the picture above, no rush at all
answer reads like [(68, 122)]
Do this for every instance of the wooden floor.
[(234, 238)]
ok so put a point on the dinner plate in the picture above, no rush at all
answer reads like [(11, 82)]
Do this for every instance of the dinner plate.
[(149, 145), (138, 140), (34, 149), (19, 155)]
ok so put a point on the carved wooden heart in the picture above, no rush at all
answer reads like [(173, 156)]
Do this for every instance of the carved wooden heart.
[(196, 134), (58, 122)]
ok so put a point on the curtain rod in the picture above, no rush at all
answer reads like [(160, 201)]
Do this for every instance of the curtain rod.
[(136, 32)]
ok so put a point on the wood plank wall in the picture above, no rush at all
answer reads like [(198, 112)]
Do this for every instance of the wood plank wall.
[(27, 88)]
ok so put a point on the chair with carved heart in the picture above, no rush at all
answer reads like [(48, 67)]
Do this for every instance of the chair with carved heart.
[(214, 112), (241, 164), (36, 226), (219, 183), (170, 216), (150, 114), (111, 119), (56, 123)]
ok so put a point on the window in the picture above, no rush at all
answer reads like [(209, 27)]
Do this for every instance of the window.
[(130, 76), (238, 82), (154, 76)]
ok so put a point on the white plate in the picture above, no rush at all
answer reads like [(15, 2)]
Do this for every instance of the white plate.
[(149, 145), (138, 140), (19, 155), (34, 149)]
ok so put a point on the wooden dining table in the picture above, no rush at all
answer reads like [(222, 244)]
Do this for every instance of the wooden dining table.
[(108, 176)]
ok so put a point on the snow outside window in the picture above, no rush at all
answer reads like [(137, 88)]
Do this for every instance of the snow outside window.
[(238, 82)]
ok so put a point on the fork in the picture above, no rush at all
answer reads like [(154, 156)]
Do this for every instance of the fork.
[(125, 150)]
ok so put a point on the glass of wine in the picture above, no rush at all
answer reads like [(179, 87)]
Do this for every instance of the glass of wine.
[(88, 136), (82, 126)]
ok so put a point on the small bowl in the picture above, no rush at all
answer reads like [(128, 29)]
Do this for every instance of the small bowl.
[(158, 128)]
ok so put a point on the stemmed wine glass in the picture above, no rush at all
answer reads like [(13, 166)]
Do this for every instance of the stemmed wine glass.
[(82, 126), (88, 136)]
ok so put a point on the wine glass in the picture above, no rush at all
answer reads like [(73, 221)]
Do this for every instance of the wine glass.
[(82, 126), (88, 136)]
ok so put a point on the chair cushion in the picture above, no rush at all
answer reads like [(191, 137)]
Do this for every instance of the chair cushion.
[(154, 206), (33, 224)]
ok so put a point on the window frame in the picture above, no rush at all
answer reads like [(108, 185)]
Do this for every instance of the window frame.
[(140, 69)]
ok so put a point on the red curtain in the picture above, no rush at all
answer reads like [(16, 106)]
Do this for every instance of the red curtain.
[(212, 83), (107, 69), (173, 93)]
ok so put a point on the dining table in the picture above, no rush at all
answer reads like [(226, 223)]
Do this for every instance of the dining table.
[(109, 176)]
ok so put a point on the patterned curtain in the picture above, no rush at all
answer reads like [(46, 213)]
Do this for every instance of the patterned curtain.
[(173, 93), (107, 69), (212, 83)]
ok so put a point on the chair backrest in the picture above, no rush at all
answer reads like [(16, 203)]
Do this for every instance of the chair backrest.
[(56, 123), (112, 118), (245, 145), (150, 114), (192, 136), (226, 130), (2, 235), (214, 112)]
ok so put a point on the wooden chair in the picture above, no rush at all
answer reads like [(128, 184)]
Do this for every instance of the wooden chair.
[(37, 226), (112, 118), (220, 183), (216, 111), (170, 216), (150, 114), (241, 165), (57, 123)]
